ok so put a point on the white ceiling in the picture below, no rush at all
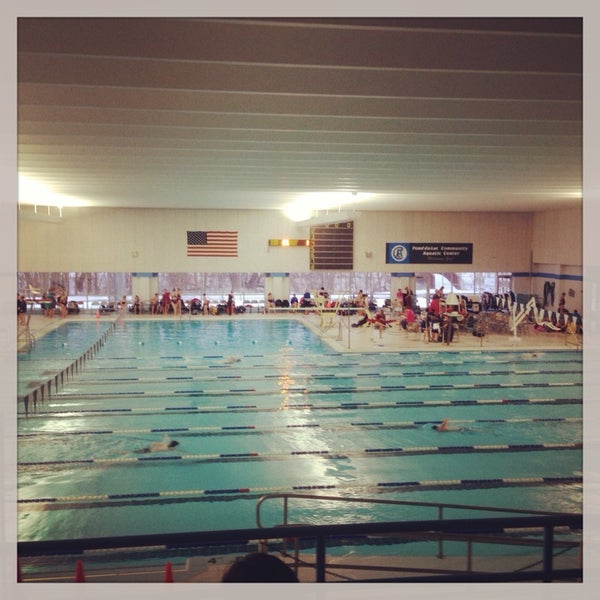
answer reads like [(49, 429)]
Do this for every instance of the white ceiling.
[(423, 114)]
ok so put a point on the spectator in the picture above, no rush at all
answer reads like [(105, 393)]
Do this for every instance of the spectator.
[(165, 301), (137, 305), (400, 298), (122, 304), (259, 567), (176, 301), (562, 303), (21, 310), (379, 321), (230, 304), (408, 317), (434, 305), (154, 304), (48, 304)]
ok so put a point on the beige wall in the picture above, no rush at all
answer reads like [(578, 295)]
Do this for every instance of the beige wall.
[(146, 240), (501, 241), (557, 237), (557, 252), (149, 240)]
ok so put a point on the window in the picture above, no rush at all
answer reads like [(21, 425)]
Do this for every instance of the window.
[(91, 288)]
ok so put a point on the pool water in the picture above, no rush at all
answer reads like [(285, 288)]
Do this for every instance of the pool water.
[(261, 406)]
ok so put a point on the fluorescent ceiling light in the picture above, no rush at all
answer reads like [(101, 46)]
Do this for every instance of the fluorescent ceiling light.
[(297, 212), (320, 204), (38, 194)]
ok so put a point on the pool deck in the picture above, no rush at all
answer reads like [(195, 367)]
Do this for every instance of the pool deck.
[(350, 568), (341, 337)]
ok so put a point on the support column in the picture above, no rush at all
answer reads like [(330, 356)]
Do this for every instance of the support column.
[(278, 284), (144, 285)]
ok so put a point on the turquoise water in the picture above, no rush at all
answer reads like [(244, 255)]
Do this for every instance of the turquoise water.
[(264, 406)]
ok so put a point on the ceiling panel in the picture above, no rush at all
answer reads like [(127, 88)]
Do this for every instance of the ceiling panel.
[(420, 114)]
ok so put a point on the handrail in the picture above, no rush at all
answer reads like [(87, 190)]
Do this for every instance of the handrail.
[(25, 339), (439, 505), (320, 533)]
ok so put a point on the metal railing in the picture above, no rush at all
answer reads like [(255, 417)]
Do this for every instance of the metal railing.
[(439, 536), (25, 339), (318, 536)]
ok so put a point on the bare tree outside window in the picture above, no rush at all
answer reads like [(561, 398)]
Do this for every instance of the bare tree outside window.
[(91, 288)]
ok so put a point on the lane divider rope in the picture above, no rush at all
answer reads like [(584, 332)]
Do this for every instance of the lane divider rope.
[(93, 501), (305, 391), (327, 376), (424, 360), (235, 429), (138, 411), (343, 455)]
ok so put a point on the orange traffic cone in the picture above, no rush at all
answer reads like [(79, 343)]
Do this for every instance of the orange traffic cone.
[(168, 578), (79, 576)]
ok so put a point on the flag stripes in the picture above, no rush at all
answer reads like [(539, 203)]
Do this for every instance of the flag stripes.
[(212, 243)]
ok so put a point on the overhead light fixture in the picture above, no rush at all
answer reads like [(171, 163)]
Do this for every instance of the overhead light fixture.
[(34, 193), (317, 206), (297, 212), (333, 216)]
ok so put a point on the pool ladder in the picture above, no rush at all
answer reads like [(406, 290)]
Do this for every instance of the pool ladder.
[(25, 339)]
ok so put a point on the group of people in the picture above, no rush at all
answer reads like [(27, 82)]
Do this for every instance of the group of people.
[(49, 301), (404, 298), (171, 302), (438, 320), (442, 318), (378, 320), (163, 304), (306, 301), (402, 303)]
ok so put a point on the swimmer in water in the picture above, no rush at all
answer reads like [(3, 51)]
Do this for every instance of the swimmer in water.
[(165, 445), (232, 359), (443, 426)]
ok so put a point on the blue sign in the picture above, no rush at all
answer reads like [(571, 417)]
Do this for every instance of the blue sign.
[(428, 253)]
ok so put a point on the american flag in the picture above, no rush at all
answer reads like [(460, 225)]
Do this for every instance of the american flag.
[(212, 243)]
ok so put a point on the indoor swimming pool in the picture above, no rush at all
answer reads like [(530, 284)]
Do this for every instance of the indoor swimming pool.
[(261, 406)]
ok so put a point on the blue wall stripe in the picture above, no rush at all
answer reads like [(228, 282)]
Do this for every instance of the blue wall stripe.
[(559, 276)]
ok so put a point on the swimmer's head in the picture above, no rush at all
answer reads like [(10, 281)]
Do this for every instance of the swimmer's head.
[(173, 443), (436, 427)]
